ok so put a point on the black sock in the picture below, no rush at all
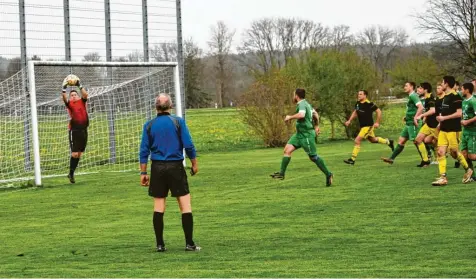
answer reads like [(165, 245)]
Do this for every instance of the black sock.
[(428, 149), (158, 221), (73, 163), (470, 163), (187, 225)]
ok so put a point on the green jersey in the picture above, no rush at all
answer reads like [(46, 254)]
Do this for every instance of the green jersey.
[(413, 101), (304, 125), (469, 111)]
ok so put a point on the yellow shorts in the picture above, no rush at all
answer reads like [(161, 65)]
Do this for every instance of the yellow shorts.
[(449, 139), (427, 131), (366, 132)]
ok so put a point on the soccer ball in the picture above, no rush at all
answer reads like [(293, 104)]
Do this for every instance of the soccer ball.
[(72, 80)]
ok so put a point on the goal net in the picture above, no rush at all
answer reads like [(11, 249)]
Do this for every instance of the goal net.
[(34, 121)]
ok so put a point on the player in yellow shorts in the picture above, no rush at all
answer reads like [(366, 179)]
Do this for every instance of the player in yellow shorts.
[(364, 110), (450, 127), (428, 131)]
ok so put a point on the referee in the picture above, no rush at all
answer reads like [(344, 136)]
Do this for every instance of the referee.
[(164, 138)]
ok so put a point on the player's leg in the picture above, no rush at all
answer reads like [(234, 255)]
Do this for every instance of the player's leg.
[(404, 135), (454, 140), (363, 134), (373, 139), (179, 188), (290, 147), (310, 148), (471, 152), (457, 163), (418, 141), (430, 148), (443, 144), (158, 223), (158, 189)]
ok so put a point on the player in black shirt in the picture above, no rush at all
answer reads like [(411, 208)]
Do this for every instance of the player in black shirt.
[(364, 111), (427, 132), (450, 127)]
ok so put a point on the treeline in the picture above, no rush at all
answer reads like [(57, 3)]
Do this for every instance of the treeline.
[(221, 74)]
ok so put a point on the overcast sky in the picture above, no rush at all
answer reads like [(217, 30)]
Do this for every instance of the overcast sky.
[(45, 31), (199, 15)]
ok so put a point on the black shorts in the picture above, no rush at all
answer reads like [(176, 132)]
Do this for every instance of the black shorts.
[(165, 176), (78, 139)]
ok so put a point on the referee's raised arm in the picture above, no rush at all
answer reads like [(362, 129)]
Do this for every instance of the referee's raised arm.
[(163, 139)]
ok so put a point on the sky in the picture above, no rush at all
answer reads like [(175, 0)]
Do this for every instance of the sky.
[(45, 30), (199, 15)]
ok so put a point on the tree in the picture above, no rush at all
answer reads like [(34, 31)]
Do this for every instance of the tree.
[(333, 78), (453, 24), (220, 46), (419, 67), (271, 42), (92, 56), (264, 106), (164, 52), (380, 44), (196, 97), (339, 37)]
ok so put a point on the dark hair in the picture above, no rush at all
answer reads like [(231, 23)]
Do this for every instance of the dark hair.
[(413, 84), (301, 93), (450, 80), (73, 91), (426, 86), (457, 83), (365, 92), (469, 86)]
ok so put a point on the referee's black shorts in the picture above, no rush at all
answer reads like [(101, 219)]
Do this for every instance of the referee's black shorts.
[(78, 139), (165, 176)]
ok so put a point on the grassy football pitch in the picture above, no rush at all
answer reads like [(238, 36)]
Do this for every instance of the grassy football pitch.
[(376, 221)]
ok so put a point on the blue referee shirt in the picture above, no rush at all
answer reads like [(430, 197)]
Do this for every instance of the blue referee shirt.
[(165, 144)]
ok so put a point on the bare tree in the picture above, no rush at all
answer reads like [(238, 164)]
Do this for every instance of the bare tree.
[(380, 44), (164, 52), (273, 41), (453, 23), (339, 37), (92, 56), (220, 46)]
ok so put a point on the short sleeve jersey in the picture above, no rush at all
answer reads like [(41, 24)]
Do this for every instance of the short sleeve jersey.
[(430, 102), (304, 125), (469, 111), (365, 111), (451, 103), (77, 111), (413, 101)]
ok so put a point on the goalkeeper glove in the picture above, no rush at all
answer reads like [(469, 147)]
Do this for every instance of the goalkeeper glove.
[(65, 84), (78, 84)]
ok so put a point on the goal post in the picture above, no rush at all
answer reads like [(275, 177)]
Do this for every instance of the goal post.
[(121, 99)]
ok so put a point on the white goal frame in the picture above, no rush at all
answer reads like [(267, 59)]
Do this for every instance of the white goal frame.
[(33, 104)]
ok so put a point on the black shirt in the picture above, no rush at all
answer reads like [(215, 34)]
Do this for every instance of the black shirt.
[(430, 103), (364, 112), (451, 102)]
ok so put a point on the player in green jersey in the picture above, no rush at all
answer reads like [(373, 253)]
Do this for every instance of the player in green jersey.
[(468, 121), (304, 137), (412, 124)]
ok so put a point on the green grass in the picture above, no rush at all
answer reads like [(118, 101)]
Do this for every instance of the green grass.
[(376, 221)]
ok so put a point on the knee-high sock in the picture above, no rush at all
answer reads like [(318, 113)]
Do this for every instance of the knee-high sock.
[(442, 164), (422, 150), (397, 151), (382, 140), (158, 222), (284, 164), (355, 152), (462, 160)]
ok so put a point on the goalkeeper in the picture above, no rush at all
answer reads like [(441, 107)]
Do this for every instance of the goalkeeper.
[(79, 122)]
